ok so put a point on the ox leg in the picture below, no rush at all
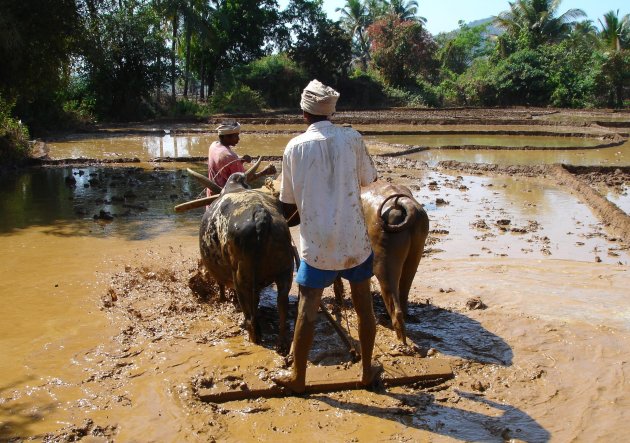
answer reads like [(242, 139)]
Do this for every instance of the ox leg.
[(283, 285), (408, 273), (362, 301), (416, 249), (302, 338), (248, 300), (388, 272)]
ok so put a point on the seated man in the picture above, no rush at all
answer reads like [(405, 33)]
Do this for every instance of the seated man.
[(223, 161)]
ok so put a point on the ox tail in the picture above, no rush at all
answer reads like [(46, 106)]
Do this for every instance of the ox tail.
[(254, 246), (400, 215)]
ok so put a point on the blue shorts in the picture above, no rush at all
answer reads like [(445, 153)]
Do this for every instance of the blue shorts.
[(312, 277)]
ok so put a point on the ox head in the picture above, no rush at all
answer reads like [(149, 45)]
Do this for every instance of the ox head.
[(240, 180), (235, 183)]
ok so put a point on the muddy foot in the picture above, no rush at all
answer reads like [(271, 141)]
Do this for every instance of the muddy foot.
[(372, 377), (289, 382)]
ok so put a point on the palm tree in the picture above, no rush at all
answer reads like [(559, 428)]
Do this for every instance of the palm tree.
[(355, 19), (584, 34), (406, 10), (538, 18), (376, 9), (615, 33), (615, 37)]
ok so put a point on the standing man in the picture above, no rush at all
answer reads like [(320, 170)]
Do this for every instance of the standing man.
[(322, 172)]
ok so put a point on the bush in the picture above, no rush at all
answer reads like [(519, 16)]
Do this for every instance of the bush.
[(14, 136), (278, 79), (189, 108), (240, 98), (522, 79), (363, 90)]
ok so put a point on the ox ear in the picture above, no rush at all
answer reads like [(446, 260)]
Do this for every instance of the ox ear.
[(252, 170), (216, 189)]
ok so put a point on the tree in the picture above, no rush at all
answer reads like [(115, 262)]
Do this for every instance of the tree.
[(121, 71), (355, 19), (534, 22), (320, 46), (615, 33), (37, 41), (236, 31), (615, 74), (457, 53), (405, 10), (401, 50)]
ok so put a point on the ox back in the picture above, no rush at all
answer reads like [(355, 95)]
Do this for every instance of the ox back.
[(245, 244)]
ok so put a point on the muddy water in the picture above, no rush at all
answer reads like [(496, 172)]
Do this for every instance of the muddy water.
[(515, 217), (517, 141), (129, 367), (147, 147), (615, 156)]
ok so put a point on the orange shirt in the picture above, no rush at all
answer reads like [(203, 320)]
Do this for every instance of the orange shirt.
[(222, 162)]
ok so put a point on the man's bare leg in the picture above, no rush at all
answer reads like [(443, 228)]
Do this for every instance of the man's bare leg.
[(362, 301), (303, 338)]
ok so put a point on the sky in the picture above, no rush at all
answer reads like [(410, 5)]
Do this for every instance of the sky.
[(443, 15)]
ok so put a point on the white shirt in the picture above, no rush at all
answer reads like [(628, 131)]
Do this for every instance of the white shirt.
[(323, 170)]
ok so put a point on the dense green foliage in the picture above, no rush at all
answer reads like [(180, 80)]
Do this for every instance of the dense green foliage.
[(73, 62), (14, 145)]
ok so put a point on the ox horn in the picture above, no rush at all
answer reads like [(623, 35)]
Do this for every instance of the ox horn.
[(252, 170), (408, 210), (216, 189), (196, 203)]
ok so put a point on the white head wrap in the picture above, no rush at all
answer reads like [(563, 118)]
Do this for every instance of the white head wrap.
[(229, 128), (319, 99)]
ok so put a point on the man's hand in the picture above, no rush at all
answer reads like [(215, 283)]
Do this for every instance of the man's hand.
[(291, 214), (246, 159)]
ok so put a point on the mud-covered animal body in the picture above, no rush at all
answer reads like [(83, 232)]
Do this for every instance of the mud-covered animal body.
[(398, 227), (245, 244)]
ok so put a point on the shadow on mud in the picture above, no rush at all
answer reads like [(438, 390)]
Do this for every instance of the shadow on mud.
[(421, 411), (23, 414), (428, 326), (455, 334)]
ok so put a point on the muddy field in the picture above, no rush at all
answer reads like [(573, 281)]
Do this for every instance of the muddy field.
[(531, 312)]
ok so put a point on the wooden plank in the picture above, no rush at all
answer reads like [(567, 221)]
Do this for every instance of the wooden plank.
[(396, 372)]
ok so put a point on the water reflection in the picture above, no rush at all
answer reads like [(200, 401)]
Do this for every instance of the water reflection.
[(66, 200), (146, 147)]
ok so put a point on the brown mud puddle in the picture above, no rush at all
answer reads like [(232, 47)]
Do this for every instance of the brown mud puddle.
[(523, 290)]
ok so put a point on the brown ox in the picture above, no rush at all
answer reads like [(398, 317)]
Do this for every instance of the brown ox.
[(245, 244), (398, 227)]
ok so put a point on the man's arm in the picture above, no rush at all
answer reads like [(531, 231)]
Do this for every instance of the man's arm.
[(291, 213), (367, 170)]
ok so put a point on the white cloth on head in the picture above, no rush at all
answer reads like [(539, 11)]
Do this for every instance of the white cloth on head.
[(229, 128), (319, 99), (322, 171)]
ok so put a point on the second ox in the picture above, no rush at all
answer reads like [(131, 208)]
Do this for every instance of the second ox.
[(398, 227)]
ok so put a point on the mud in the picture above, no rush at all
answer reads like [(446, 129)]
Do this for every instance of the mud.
[(522, 289)]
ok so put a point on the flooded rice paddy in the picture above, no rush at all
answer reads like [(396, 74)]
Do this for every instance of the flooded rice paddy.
[(104, 341)]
